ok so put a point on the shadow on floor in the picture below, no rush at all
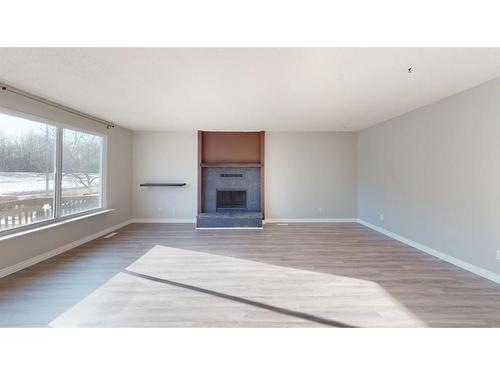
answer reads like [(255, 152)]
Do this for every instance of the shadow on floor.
[(276, 309), (173, 287)]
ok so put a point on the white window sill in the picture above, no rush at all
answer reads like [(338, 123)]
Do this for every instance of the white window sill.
[(55, 224)]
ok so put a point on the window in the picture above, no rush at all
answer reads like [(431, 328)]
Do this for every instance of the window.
[(27, 154), (47, 172), (81, 172)]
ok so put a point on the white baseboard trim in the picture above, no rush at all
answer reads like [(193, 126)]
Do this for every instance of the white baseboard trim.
[(305, 220), (266, 221), (231, 228), (447, 258), (49, 254), (163, 220)]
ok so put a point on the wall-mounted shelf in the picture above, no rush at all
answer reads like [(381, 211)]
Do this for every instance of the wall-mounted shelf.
[(161, 184)]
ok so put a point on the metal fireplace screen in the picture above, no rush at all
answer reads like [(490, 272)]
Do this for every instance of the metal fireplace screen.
[(231, 199)]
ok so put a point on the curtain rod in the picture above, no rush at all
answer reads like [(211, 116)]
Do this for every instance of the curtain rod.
[(55, 105)]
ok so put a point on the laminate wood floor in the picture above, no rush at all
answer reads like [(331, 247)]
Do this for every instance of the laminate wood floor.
[(299, 275)]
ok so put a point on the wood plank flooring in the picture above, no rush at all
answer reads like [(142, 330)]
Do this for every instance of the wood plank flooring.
[(297, 275)]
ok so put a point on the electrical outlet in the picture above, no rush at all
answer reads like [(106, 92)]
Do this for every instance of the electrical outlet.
[(498, 254), (320, 209), (381, 217)]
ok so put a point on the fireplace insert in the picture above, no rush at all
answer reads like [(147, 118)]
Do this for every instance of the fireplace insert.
[(231, 199)]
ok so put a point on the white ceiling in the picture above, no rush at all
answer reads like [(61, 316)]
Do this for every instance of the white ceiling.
[(247, 89)]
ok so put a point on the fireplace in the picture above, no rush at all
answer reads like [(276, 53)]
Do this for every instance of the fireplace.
[(231, 199), (230, 179)]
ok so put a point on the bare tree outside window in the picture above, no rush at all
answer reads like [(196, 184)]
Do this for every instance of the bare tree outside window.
[(27, 172), (81, 171), (27, 160)]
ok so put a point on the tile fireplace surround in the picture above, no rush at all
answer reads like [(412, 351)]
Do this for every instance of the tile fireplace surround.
[(217, 180)]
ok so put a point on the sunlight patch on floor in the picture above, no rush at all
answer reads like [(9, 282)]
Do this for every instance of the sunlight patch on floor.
[(171, 287)]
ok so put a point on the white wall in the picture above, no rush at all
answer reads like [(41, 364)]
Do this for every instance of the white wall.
[(119, 177), (308, 175), (165, 157), (311, 175), (434, 174)]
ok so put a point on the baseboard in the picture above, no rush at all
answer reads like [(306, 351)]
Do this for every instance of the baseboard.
[(49, 254), (163, 220), (447, 258), (266, 221), (305, 220), (230, 228)]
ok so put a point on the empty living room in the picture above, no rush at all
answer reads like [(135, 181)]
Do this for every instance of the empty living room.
[(247, 186)]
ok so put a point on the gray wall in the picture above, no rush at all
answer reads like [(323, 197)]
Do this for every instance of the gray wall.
[(119, 177), (165, 157), (434, 175), (310, 175)]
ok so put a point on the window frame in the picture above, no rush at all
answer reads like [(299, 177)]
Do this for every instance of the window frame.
[(58, 160)]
